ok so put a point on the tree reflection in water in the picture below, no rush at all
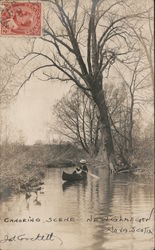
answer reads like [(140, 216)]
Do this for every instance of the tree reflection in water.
[(123, 195)]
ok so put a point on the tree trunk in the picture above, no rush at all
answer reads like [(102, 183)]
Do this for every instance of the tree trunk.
[(107, 149)]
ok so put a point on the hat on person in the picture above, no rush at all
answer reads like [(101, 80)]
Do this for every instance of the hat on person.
[(82, 161)]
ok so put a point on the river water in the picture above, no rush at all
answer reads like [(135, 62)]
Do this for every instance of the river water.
[(110, 213)]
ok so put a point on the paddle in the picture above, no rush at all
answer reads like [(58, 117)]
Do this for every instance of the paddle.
[(93, 175)]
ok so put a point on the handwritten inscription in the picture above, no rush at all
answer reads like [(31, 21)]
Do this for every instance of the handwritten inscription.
[(38, 237), (111, 224), (121, 218), (89, 220), (32, 219), (124, 230)]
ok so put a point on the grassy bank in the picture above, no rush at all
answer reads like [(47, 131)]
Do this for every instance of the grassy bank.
[(15, 172), (22, 167)]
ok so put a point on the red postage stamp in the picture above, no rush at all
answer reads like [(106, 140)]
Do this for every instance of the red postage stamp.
[(21, 18)]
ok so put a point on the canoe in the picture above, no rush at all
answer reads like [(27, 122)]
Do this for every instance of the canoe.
[(74, 176)]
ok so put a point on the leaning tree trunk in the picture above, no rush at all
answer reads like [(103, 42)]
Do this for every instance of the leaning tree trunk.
[(107, 149)]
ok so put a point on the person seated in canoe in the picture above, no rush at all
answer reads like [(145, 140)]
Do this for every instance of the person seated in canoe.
[(78, 170), (83, 165), (82, 168)]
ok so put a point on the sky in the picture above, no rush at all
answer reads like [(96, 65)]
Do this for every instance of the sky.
[(32, 111)]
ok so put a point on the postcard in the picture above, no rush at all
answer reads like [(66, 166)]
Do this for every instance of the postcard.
[(76, 125)]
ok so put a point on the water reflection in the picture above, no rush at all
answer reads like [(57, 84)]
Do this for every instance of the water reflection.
[(36, 201), (68, 210), (74, 185)]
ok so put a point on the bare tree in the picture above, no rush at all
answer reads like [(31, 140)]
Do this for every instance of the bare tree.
[(5, 90), (136, 83), (83, 42), (145, 37), (77, 119)]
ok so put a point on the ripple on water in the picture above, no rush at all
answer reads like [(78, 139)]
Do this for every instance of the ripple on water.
[(109, 196)]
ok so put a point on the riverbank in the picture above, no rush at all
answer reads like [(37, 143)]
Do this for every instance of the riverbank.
[(22, 168), (16, 176)]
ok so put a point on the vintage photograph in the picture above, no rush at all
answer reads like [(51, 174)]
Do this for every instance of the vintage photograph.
[(77, 125)]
